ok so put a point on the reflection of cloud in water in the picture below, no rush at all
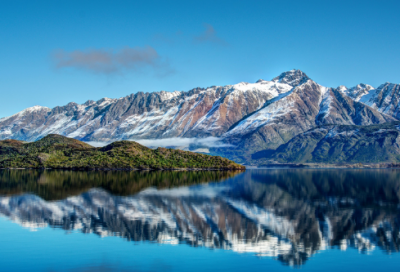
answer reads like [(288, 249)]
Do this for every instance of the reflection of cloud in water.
[(201, 191), (106, 266)]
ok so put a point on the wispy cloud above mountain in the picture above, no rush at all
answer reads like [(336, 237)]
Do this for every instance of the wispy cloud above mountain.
[(103, 61), (209, 35)]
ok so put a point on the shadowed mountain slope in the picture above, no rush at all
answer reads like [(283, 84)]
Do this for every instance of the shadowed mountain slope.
[(339, 144)]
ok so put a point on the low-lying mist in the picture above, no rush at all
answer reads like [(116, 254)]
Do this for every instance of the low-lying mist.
[(200, 144)]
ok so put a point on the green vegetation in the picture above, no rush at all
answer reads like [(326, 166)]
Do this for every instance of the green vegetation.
[(55, 151)]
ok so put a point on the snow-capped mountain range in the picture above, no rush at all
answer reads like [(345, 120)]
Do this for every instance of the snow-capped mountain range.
[(244, 118)]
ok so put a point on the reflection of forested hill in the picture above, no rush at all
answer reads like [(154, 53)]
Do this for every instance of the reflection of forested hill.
[(59, 184), (288, 214)]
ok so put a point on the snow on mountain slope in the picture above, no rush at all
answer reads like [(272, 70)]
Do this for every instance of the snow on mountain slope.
[(385, 99), (246, 117), (26, 121), (357, 91), (276, 108), (338, 108), (292, 113), (196, 113), (293, 78), (26, 113), (279, 120), (169, 95), (249, 96)]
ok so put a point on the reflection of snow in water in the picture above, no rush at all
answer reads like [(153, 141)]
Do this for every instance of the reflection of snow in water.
[(200, 216)]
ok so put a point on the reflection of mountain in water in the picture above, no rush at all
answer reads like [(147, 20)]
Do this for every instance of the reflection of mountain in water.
[(287, 214)]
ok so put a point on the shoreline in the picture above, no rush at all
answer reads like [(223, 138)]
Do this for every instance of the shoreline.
[(245, 167), (126, 169), (326, 166)]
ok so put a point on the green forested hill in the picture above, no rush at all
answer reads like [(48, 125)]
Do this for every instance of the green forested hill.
[(55, 151)]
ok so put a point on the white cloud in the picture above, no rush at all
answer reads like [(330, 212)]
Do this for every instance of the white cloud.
[(102, 61), (183, 142)]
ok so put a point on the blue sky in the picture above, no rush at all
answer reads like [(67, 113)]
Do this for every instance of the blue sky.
[(55, 52)]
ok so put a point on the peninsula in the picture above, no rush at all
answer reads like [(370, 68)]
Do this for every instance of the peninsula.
[(59, 152)]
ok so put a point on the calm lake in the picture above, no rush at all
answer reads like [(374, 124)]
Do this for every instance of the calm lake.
[(257, 220)]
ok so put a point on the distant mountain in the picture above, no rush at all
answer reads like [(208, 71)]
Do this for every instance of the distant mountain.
[(385, 99), (356, 92), (337, 108), (293, 78), (196, 113), (244, 118), (339, 144), (304, 107)]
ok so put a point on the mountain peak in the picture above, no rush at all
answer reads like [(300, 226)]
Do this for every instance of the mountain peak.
[(37, 108), (357, 91), (293, 78), (385, 85), (32, 110)]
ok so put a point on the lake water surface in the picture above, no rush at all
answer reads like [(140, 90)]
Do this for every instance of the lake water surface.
[(257, 220)]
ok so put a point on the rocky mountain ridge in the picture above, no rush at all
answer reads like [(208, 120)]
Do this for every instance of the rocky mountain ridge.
[(385, 99), (244, 118)]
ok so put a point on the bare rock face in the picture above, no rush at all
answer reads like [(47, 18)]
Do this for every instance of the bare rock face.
[(385, 99), (337, 108), (280, 120), (292, 77), (356, 92), (196, 113), (304, 107), (24, 123)]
